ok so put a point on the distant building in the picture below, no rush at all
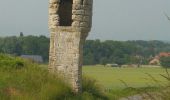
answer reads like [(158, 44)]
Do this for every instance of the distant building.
[(35, 58), (164, 54), (156, 59), (112, 65)]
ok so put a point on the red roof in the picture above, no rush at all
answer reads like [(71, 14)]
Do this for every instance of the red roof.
[(164, 54)]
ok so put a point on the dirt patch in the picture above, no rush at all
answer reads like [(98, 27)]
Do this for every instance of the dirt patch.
[(11, 91)]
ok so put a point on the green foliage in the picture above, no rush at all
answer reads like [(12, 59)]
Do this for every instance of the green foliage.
[(7, 62), (95, 51), (165, 62), (166, 89), (103, 61), (90, 87), (29, 82), (122, 52), (30, 45), (33, 82)]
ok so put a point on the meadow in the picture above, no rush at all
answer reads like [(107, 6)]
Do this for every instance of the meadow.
[(119, 78), (25, 80), (123, 82)]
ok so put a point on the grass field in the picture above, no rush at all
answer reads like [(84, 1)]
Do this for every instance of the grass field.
[(24, 80), (114, 78)]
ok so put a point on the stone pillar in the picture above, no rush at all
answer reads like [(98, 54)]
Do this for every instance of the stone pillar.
[(67, 39)]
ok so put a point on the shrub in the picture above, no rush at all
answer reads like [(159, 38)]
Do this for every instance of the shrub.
[(92, 89), (7, 61), (165, 62)]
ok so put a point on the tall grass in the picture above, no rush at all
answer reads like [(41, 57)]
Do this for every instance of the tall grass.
[(24, 80), (161, 92), (92, 89), (165, 93)]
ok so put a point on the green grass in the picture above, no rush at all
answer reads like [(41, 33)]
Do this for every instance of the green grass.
[(123, 82), (111, 77), (23, 80)]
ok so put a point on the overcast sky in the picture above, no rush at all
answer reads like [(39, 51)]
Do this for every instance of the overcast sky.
[(112, 19)]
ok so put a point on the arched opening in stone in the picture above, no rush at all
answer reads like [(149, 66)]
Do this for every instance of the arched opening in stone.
[(65, 12)]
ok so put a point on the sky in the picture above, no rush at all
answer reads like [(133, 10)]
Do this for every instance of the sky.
[(112, 19)]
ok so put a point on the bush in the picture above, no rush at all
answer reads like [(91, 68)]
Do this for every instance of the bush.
[(165, 62), (7, 61), (91, 88)]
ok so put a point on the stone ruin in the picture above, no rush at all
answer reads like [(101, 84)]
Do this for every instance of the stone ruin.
[(70, 22)]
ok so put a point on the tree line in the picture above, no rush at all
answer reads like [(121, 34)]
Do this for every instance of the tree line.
[(30, 45), (95, 51), (122, 52)]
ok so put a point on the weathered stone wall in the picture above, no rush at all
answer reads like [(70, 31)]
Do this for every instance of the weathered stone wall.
[(66, 43), (81, 15)]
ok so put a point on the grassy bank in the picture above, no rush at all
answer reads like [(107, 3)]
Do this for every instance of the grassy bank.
[(23, 80)]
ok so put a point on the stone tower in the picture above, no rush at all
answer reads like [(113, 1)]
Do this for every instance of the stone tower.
[(69, 24)]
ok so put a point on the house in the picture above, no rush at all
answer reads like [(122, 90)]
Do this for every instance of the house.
[(164, 54), (156, 59), (35, 58)]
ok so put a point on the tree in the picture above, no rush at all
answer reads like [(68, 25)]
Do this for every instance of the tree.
[(165, 62), (21, 34), (89, 59), (103, 61), (120, 61)]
